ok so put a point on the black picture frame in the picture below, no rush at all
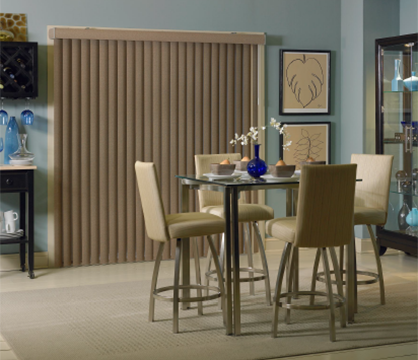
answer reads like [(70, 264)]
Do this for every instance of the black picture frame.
[(293, 156), (305, 82)]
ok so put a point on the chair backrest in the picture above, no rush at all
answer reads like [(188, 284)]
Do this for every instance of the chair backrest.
[(325, 205), (202, 162), (152, 204), (375, 172)]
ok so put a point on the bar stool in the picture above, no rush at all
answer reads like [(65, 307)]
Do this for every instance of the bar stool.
[(324, 220), (371, 208), (162, 228), (211, 202)]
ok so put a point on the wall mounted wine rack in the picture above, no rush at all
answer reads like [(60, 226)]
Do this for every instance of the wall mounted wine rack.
[(18, 70)]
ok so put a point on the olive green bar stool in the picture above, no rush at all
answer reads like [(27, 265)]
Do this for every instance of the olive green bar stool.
[(161, 228)]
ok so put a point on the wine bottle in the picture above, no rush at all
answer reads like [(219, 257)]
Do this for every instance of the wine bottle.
[(9, 72), (21, 63)]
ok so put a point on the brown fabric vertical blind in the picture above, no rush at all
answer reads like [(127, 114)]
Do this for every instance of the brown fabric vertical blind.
[(127, 95)]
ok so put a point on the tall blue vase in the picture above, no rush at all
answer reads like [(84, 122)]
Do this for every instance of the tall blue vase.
[(256, 167), (10, 143)]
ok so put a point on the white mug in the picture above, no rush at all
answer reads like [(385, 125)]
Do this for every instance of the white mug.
[(9, 220)]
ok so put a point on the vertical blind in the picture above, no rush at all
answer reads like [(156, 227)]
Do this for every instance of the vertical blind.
[(127, 95)]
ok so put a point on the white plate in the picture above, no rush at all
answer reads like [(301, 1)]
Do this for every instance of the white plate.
[(271, 178), (241, 173), (219, 177)]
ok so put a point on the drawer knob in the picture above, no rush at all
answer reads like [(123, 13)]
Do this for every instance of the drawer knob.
[(9, 181)]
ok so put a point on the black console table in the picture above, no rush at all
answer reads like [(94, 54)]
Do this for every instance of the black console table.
[(19, 179)]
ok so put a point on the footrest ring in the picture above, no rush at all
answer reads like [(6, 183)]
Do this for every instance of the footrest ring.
[(375, 277), (339, 300), (190, 287)]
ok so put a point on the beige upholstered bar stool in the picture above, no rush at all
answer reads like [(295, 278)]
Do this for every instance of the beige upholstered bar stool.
[(211, 202), (162, 228), (324, 220), (371, 208)]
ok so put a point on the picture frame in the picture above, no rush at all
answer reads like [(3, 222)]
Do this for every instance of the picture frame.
[(308, 139), (305, 82)]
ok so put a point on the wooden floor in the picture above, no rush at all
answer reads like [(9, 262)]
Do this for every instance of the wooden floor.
[(393, 262)]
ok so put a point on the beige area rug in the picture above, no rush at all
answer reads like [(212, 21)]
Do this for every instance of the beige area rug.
[(109, 322)]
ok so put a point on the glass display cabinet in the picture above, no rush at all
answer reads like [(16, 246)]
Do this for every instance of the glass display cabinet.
[(397, 135)]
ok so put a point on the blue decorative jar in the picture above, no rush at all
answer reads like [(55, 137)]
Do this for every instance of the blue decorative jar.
[(256, 167), (412, 82), (10, 143), (397, 82)]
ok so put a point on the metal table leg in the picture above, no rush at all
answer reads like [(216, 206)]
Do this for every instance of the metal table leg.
[(291, 203), (185, 248), (350, 280), (228, 279), (31, 226), (235, 260)]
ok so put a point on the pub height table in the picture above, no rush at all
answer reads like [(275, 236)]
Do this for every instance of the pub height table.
[(20, 179), (231, 191)]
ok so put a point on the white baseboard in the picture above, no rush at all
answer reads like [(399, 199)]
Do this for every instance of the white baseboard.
[(12, 261)]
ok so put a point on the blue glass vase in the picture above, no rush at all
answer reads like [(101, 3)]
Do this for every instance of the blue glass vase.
[(10, 143), (256, 167)]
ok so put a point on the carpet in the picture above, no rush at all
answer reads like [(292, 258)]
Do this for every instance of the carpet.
[(109, 322)]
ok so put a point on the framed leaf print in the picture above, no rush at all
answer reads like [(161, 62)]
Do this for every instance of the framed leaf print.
[(305, 80), (309, 139)]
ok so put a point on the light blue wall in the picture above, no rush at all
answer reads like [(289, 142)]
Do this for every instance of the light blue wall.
[(408, 16), (293, 24)]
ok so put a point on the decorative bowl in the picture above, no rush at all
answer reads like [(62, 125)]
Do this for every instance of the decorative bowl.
[(222, 169), (312, 163), (241, 165), (282, 170)]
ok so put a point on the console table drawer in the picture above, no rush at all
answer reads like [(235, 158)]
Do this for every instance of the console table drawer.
[(13, 181)]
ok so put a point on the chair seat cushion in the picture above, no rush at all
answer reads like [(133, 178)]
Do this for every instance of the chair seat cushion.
[(246, 212), (369, 216), (282, 228), (193, 224)]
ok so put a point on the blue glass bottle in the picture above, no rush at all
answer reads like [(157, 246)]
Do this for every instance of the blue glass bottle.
[(10, 143), (256, 167)]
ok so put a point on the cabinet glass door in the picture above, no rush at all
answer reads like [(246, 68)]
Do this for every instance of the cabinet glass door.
[(400, 129)]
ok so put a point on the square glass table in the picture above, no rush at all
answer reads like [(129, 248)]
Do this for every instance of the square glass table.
[(231, 189)]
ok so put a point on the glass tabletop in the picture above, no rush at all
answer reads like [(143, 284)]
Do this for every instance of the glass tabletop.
[(240, 180)]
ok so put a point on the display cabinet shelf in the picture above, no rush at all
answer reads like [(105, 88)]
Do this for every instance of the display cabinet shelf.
[(18, 70)]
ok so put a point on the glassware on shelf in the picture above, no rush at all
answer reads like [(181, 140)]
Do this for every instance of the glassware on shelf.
[(412, 82), (400, 177), (11, 143), (403, 213), (406, 187), (6, 35), (26, 116), (412, 221), (22, 155), (4, 117), (415, 181), (397, 82)]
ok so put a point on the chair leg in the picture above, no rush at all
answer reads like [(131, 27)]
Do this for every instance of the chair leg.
[(219, 276), (208, 263), (341, 260), (222, 267), (379, 265), (154, 281), (198, 277), (355, 279), (264, 262), (277, 291), (291, 273), (249, 249), (335, 265), (314, 273), (176, 288), (330, 294)]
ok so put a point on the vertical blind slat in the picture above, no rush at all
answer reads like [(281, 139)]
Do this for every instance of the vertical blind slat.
[(94, 152), (75, 149), (130, 152), (139, 145), (103, 157), (174, 146), (207, 138), (112, 153), (85, 150), (121, 149), (66, 159), (148, 124), (58, 155)]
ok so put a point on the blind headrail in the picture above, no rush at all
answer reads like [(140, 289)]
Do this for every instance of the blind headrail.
[(87, 33)]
